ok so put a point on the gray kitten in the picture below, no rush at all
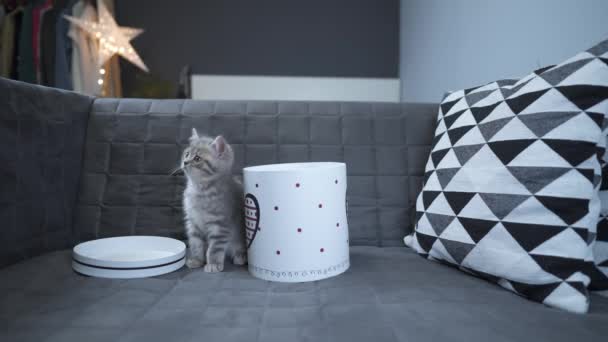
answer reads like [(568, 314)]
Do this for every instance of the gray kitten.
[(213, 205)]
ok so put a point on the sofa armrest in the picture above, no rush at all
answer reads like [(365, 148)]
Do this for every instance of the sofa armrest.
[(42, 132)]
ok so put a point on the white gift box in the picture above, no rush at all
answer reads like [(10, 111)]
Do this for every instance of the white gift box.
[(296, 222)]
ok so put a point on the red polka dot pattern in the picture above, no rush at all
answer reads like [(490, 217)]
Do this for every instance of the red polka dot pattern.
[(299, 230)]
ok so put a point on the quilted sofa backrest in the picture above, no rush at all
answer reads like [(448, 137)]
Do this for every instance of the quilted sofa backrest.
[(133, 144)]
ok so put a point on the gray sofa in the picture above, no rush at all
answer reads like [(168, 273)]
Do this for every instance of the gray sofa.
[(75, 168)]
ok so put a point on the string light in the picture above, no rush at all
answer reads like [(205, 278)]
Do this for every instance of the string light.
[(102, 71)]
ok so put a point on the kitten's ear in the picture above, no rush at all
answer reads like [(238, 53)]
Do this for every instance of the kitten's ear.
[(219, 145), (194, 135)]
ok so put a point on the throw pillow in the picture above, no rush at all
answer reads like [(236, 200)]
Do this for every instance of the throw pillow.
[(511, 185), (599, 276), (599, 280)]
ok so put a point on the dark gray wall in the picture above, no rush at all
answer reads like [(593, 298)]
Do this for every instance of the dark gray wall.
[(349, 38), (450, 45)]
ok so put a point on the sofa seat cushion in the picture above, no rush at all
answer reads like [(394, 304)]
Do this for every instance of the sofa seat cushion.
[(388, 294)]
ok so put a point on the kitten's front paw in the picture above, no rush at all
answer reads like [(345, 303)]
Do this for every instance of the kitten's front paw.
[(240, 259), (194, 263), (213, 268)]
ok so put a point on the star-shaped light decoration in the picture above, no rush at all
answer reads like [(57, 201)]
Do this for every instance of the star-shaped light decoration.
[(113, 39)]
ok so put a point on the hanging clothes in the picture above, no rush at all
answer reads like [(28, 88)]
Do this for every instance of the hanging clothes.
[(85, 71), (63, 47), (2, 14), (37, 19), (10, 5), (11, 26), (48, 36), (26, 69)]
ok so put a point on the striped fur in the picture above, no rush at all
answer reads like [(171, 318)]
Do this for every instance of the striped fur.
[(212, 205)]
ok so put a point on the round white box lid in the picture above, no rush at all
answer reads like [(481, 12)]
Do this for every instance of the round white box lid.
[(295, 167), (129, 256)]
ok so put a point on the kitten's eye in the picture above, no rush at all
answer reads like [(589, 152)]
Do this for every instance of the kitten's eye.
[(197, 158), (186, 155)]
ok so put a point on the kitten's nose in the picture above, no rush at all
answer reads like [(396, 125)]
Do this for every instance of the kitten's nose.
[(186, 162)]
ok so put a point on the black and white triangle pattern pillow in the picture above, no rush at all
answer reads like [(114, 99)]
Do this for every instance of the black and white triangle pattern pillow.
[(599, 280), (511, 188)]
